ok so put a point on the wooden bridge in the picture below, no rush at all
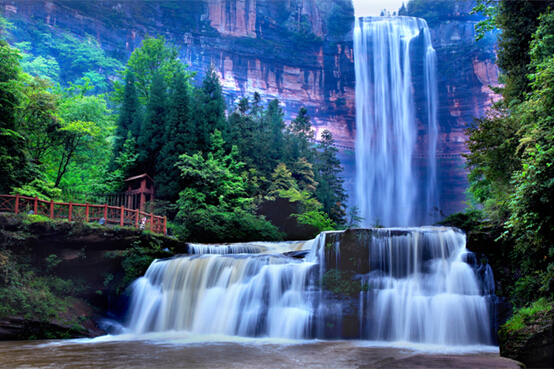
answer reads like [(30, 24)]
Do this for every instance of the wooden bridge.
[(116, 215)]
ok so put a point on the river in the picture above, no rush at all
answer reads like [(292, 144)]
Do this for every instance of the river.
[(184, 350)]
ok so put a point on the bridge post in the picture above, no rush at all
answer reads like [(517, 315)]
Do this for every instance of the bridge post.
[(121, 216), (70, 209), (151, 221), (36, 205), (106, 213), (165, 226), (137, 215), (17, 203), (51, 209), (87, 212)]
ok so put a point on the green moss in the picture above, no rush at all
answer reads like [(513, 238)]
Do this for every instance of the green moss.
[(136, 261), (522, 316), (34, 218), (342, 283)]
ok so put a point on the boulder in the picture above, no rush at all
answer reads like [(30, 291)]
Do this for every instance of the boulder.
[(531, 345)]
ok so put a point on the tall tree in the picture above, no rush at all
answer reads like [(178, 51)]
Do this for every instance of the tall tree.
[(518, 20), (38, 119), (154, 56), (300, 137), (210, 107), (273, 116), (304, 174), (85, 149), (129, 119), (13, 164), (179, 139), (150, 140), (282, 180), (330, 191)]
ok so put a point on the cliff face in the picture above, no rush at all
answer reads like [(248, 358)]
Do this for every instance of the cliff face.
[(279, 48), (293, 50), (465, 69)]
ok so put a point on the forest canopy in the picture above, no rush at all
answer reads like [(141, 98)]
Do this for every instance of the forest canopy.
[(67, 131)]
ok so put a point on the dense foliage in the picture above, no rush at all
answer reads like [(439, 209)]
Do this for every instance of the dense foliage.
[(212, 167), (511, 148)]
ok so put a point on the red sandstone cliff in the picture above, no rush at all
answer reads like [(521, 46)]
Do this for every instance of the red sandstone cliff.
[(285, 49)]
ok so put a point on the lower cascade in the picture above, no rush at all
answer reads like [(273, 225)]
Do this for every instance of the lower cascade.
[(416, 285)]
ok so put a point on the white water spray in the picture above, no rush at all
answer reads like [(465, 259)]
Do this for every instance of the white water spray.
[(420, 289), (386, 123)]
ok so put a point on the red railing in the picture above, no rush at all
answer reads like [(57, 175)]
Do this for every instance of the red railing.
[(118, 215)]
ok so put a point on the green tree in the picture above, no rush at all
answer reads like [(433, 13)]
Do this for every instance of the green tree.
[(300, 137), (86, 128), (215, 207), (209, 109), (273, 116), (341, 18), (282, 180), (150, 139), (354, 217), (402, 10), (112, 180), (179, 138), (44, 67), (153, 57), (129, 119), (531, 201), (75, 134), (330, 191), (38, 119), (511, 150), (432, 11), (304, 175), (13, 164)]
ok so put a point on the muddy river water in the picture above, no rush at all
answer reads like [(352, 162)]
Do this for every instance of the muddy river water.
[(176, 350)]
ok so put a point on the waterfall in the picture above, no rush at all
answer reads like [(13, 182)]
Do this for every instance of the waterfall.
[(218, 292), (387, 72), (420, 286), (421, 289)]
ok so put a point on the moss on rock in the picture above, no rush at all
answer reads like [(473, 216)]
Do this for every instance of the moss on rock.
[(528, 336)]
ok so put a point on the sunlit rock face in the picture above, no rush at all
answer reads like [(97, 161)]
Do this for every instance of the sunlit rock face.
[(252, 44)]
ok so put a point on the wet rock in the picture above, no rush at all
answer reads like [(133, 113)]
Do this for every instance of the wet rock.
[(349, 250), (77, 321), (452, 361), (533, 344), (297, 254)]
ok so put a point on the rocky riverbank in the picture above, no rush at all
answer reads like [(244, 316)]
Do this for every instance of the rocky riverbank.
[(57, 277)]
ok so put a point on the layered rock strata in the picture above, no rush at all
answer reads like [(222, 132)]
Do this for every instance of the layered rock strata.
[(286, 49)]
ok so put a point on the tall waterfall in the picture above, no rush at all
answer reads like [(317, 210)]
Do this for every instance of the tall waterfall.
[(392, 54), (421, 287)]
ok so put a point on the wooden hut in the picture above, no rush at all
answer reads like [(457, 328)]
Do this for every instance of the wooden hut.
[(140, 189)]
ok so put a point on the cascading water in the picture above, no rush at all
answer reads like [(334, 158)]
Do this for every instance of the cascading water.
[(385, 50), (241, 294), (417, 284), (419, 288)]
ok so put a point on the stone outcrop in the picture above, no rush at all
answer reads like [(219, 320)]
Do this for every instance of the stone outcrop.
[(284, 49), (19, 328), (86, 253), (531, 345)]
